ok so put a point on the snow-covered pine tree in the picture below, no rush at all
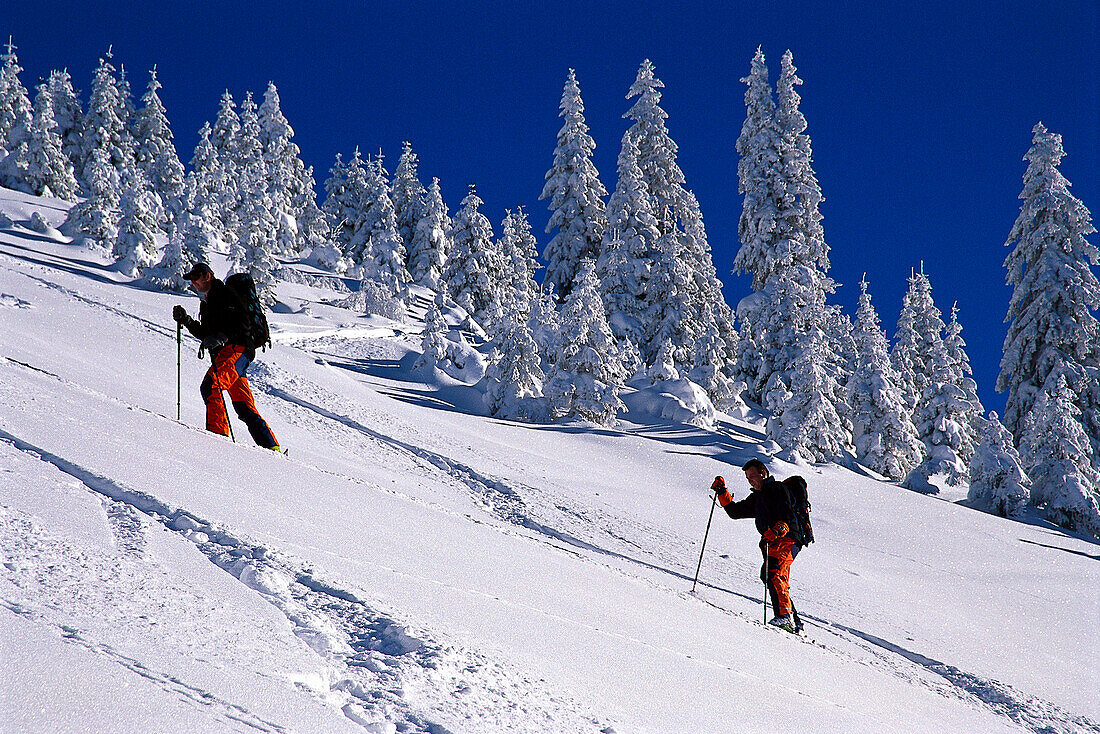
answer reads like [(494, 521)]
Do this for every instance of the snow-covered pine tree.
[(998, 482), (345, 189), (683, 244), (135, 247), (514, 374), (1052, 322), (96, 217), (1059, 459), (433, 345), (290, 181), (804, 394), (941, 422), (883, 433), (519, 251), (575, 192), (38, 165), (474, 268), (431, 242), (407, 194), (206, 186), (629, 242), (586, 373), (69, 115), (917, 338), (964, 377), (758, 178), (544, 321), (106, 125), (155, 153), (710, 370), (223, 138), (15, 102), (375, 251), (190, 242), (664, 365), (257, 227)]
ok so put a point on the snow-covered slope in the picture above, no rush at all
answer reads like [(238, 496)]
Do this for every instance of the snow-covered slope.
[(414, 566)]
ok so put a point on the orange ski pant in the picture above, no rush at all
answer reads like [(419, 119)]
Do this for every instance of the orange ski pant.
[(227, 373), (776, 572)]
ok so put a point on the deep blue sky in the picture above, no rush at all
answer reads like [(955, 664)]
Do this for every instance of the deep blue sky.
[(919, 112)]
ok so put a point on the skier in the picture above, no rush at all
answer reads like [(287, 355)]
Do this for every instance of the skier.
[(769, 503), (221, 328)]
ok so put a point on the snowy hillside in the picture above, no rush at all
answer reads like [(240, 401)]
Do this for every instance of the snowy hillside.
[(414, 566)]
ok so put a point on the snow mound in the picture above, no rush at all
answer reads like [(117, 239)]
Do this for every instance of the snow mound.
[(676, 401)]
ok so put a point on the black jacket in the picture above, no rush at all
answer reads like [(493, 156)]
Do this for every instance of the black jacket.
[(220, 313), (768, 505)]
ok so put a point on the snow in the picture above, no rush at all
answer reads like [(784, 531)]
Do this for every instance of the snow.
[(414, 566)]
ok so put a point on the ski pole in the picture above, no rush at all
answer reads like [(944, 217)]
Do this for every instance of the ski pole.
[(766, 546), (179, 347), (226, 406), (700, 564)]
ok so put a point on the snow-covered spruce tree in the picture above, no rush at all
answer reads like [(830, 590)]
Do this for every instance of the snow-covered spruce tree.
[(758, 178), (375, 251), (135, 247), (345, 189), (190, 242), (664, 365), (941, 420), (519, 251), (290, 181), (223, 137), (629, 244), (206, 187), (474, 268), (919, 336), (1059, 460), (544, 322), (514, 374), (1052, 322), (783, 246), (586, 374), (407, 194), (710, 370), (433, 345), (964, 376), (155, 153), (253, 249), (431, 242), (69, 115), (883, 433), (683, 240), (15, 102), (804, 394), (106, 122), (576, 194), (38, 165), (96, 217), (998, 482)]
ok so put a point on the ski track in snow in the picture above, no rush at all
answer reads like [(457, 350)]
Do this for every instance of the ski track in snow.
[(504, 502), (379, 657)]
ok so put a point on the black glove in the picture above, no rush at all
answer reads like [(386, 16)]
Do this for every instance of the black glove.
[(179, 313), (214, 342)]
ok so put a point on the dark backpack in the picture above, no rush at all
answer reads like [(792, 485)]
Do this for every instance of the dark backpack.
[(256, 334), (800, 509)]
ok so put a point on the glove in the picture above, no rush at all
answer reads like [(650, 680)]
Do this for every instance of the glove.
[(719, 487), (214, 342), (773, 534), (179, 313)]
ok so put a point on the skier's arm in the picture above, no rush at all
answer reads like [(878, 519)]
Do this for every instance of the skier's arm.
[(737, 510)]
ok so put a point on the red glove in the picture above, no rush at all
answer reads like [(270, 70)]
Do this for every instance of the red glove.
[(719, 486), (773, 534)]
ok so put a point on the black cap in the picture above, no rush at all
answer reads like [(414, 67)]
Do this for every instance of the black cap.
[(197, 270)]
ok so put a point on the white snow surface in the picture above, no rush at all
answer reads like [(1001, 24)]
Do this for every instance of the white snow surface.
[(414, 566)]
